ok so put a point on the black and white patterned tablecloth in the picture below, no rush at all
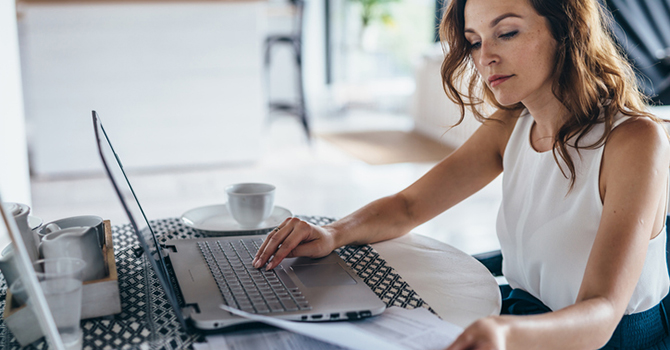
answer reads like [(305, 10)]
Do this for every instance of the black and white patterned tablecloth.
[(147, 320)]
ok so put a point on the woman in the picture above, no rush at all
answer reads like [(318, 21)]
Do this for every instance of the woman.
[(582, 222)]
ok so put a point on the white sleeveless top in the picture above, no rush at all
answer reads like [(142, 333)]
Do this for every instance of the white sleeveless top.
[(546, 237)]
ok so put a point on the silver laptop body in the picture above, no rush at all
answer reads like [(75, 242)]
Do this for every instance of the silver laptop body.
[(214, 271)]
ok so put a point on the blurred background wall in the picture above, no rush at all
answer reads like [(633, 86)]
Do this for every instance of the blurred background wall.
[(14, 179)]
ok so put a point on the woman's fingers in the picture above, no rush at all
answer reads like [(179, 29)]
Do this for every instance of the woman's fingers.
[(272, 233), (485, 334), (273, 243), (293, 238), (299, 234), (277, 238), (274, 237)]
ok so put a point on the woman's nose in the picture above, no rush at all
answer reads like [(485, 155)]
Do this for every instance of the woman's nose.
[(488, 54)]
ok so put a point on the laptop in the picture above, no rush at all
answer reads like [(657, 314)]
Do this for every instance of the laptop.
[(213, 271)]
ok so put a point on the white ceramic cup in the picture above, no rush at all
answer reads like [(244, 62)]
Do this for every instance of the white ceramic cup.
[(21, 213), (76, 242), (74, 221), (250, 203)]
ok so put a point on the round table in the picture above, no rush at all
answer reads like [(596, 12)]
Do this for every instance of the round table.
[(457, 287), (410, 271)]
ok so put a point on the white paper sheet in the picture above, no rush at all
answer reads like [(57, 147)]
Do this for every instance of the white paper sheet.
[(415, 329), (396, 328), (273, 339), (340, 333)]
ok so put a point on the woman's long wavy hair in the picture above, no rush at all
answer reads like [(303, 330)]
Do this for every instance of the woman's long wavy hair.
[(592, 73)]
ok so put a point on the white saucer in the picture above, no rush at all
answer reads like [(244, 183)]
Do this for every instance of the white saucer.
[(215, 220)]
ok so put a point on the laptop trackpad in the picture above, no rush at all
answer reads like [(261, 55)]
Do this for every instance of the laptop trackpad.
[(321, 275)]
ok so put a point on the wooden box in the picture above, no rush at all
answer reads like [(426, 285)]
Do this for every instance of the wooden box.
[(99, 298)]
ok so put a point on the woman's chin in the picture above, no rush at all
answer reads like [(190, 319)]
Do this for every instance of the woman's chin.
[(507, 101)]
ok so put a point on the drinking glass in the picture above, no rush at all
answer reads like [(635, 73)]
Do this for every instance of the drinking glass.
[(61, 283)]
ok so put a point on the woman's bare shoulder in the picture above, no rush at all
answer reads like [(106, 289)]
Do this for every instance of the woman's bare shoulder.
[(501, 124), (639, 145), (639, 132)]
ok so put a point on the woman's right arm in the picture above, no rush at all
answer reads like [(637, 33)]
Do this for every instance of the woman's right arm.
[(473, 165)]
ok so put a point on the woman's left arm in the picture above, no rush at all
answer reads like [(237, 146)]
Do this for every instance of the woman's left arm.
[(634, 175)]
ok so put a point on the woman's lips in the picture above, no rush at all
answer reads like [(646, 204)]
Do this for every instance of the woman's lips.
[(496, 80)]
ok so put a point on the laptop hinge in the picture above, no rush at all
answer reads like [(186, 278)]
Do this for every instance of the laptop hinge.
[(189, 310)]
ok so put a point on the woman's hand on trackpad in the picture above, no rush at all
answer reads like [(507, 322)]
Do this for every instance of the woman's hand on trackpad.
[(294, 238)]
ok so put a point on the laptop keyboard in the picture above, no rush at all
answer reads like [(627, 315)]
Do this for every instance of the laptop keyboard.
[(245, 287)]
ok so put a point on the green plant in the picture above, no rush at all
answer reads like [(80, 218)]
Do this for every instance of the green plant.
[(372, 9)]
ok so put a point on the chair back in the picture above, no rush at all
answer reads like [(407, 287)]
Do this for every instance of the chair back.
[(643, 30), (298, 8)]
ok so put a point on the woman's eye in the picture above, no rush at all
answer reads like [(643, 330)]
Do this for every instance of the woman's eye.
[(509, 35), (475, 46)]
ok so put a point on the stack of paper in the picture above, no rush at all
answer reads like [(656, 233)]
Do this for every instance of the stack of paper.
[(395, 329)]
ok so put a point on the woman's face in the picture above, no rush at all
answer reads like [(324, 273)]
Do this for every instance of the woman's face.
[(512, 48)]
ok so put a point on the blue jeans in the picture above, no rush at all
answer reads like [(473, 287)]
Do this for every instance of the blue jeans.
[(647, 330)]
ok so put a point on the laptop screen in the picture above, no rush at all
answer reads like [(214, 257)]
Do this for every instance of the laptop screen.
[(138, 220)]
